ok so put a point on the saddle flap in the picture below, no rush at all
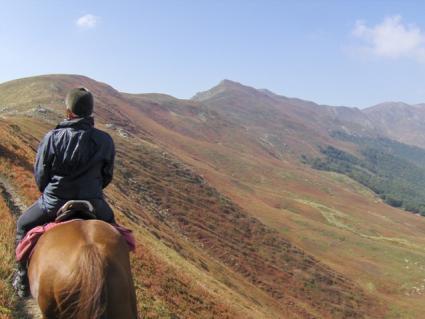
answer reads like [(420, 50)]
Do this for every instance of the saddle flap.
[(75, 209)]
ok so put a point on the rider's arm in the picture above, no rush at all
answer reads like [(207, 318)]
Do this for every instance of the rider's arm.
[(108, 167), (43, 162)]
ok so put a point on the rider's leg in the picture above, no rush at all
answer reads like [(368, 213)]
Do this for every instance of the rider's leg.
[(34, 216), (103, 211)]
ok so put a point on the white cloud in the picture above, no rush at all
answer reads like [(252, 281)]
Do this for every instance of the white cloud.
[(87, 21), (391, 39)]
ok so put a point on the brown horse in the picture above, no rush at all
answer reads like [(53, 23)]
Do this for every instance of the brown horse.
[(81, 270)]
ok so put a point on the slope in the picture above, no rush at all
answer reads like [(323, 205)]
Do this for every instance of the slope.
[(341, 222), (200, 255), (400, 121), (394, 171)]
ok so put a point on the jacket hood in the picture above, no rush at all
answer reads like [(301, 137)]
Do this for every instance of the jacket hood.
[(83, 123)]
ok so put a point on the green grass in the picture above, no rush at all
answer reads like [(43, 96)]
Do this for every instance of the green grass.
[(339, 219)]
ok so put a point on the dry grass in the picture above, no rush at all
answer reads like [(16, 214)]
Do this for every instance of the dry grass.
[(7, 299), (168, 284), (200, 259), (346, 227)]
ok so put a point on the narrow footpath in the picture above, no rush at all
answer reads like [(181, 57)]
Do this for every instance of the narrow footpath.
[(24, 309)]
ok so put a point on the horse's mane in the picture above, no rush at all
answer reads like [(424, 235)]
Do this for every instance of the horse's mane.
[(82, 270), (85, 294)]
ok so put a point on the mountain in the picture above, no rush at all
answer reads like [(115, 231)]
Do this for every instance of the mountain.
[(230, 222), (301, 124), (400, 121), (307, 127)]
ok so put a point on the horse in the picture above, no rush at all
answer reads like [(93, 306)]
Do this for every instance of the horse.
[(81, 270)]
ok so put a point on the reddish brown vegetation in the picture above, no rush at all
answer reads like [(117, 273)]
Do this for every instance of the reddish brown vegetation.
[(201, 255)]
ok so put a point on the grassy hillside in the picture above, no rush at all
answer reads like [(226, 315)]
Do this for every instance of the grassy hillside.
[(200, 255), (7, 300), (338, 220), (399, 121), (168, 284), (230, 224), (395, 171)]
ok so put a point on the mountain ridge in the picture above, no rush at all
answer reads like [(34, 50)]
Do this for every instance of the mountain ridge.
[(226, 195)]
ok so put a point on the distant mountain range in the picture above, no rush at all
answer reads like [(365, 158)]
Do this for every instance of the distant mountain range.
[(396, 120), (248, 204)]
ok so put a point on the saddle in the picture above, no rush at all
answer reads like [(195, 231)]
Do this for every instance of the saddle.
[(72, 210), (75, 209)]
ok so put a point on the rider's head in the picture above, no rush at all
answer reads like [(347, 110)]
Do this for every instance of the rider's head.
[(79, 103)]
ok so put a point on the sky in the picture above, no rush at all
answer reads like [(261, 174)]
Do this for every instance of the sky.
[(351, 53)]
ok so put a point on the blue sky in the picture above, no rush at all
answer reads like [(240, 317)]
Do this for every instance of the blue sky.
[(354, 53)]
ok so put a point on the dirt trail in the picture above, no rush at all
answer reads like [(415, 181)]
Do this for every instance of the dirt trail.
[(25, 309), (11, 197)]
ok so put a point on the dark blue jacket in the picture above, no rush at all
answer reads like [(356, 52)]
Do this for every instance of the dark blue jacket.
[(74, 161)]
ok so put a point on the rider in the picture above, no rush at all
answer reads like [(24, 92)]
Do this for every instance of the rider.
[(74, 161)]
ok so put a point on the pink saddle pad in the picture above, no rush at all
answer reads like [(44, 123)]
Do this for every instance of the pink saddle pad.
[(26, 245)]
